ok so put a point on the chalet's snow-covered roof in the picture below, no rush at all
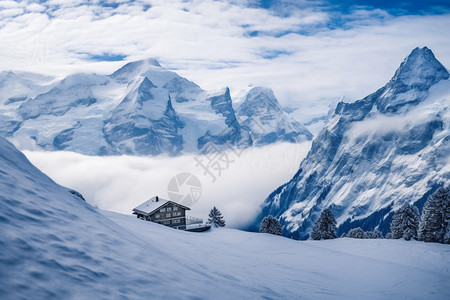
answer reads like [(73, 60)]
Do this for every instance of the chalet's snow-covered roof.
[(154, 203)]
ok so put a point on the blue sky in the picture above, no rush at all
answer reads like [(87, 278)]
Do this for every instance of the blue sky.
[(307, 51), (344, 6)]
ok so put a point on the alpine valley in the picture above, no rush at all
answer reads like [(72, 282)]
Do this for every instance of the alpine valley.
[(389, 148), (140, 109)]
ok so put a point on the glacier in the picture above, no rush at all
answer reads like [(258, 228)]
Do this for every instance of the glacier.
[(56, 246), (373, 155), (140, 109)]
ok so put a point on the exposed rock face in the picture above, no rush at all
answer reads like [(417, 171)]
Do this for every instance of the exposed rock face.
[(266, 121), (140, 109), (375, 154)]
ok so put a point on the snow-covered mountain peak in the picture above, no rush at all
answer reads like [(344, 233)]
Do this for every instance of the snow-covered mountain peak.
[(260, 100), (263, 117), (410, 84), (374, 154), (146, 85), (420, 68), (218, 92), (135, 68), (82, 79), (16, 87), (142, 108)]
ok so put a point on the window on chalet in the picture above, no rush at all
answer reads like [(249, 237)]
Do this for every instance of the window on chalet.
[(169, 209), (175, 208), (178, 213), (166, 222), (168, 215), (157, 216), (162, 210), (176, 221)]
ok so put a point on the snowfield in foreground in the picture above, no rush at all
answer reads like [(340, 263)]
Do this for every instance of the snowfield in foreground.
[(254, 265), (56, 246)]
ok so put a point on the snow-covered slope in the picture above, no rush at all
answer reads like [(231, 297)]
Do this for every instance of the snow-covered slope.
[(373, 155), (56, 246), (140, 109), (263, 117), (15, 88)]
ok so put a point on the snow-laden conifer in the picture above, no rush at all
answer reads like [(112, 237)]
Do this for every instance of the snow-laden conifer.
[(216, 218), (435, 219), (356, 233), (325, 226), (405, 222), (270, 225)]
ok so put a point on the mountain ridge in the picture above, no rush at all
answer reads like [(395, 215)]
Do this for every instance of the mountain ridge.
[(140, 109), (363, 160)]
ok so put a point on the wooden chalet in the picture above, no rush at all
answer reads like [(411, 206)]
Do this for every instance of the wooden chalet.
[(168, 213)]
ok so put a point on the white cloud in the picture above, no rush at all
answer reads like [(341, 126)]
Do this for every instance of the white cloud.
[(122, 182), (9, 4), (436, 104), (210, 42), (35, 7)]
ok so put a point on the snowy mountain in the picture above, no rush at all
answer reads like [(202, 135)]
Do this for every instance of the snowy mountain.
[(263, 117), (373, 155), (15, 88), (140, 109), (56, 246)]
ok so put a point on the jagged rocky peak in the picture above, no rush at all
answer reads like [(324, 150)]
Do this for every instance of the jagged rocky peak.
[(408, 87), (374, 154), (266, 121), (420, 68), (135, 68), (221, 101), (146, 84), (179, 84), (259, 100), (144, 91)]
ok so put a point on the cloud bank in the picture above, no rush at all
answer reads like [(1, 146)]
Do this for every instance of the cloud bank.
[(306, 51), (120, 183)]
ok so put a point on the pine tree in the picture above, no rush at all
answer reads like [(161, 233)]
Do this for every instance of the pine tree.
[(447, 235), (405, 222), (325, 226), (376, 234), (216, 218), (270, 225), (435, 219), (356, 233)]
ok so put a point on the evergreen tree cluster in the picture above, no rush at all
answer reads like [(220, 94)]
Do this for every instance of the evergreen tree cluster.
[(215, 218), (358, 233), (432, 226), (376, 234), (270, 225), (405, 223), (435, 219), (325, 226)]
